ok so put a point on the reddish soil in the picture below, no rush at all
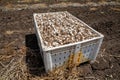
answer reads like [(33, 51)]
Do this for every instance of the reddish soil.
[(17, 31)]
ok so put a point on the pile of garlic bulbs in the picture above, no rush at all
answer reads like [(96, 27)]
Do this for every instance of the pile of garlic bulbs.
[(62, 28)]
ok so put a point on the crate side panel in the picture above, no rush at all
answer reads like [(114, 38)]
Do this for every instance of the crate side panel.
[(60, 57), (89, 49)]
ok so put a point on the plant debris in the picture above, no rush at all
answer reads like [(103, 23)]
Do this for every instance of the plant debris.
[(15, 69)]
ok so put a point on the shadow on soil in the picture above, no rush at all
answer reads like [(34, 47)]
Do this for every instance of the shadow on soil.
[(33, 58)]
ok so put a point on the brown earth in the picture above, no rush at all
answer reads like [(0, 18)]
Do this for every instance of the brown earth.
[(18, 40), (6, 2)]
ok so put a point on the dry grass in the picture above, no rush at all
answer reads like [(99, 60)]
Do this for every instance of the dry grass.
[(14, 70), (116, 9), (13, 65), (63, 74), (60, 74)]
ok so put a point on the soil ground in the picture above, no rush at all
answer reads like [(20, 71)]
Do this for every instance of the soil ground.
[(18, 41)]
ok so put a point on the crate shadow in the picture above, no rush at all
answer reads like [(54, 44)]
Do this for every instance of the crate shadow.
[(34, 60)]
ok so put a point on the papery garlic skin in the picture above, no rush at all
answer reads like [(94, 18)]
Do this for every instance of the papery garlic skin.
[(61, 28)]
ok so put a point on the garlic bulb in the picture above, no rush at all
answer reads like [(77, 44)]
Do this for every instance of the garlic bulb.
[(62, 28)]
